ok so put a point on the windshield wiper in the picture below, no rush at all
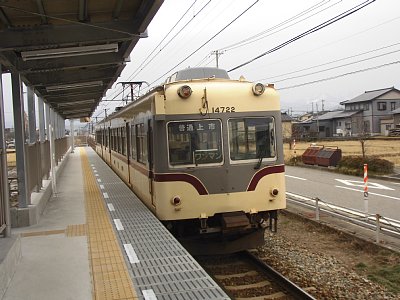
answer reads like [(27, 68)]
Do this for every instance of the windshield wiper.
[(261, 156), (258, 165)]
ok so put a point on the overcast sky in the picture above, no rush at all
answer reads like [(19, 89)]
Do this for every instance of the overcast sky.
[(369, 39)]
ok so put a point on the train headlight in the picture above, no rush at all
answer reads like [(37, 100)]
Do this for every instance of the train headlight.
[(176, 200), (184, 91), (274, 192), (258, 89)]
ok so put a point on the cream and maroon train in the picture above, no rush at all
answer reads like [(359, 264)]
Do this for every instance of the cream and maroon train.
[(204, 153)]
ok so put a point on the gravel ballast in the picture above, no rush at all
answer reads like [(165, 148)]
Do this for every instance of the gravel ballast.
[(313, 256)]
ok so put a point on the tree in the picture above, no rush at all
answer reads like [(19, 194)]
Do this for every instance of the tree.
[(362, 130)]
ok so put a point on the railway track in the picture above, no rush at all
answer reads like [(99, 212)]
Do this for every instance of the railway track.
[(246, 277)]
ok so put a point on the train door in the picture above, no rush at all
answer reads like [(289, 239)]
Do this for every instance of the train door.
[(150, 159)]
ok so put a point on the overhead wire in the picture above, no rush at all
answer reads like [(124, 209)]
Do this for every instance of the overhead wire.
[(134, 73), (331, 62), (205, 43), (264, 34), (329, 44), (339, 76), (220, 10), (239, 44), (308, 32), (336, 67), (203, 60), (209, 62), (143, 65), (317, 5)]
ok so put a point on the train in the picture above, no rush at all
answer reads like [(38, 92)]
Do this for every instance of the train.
[(204, 153)]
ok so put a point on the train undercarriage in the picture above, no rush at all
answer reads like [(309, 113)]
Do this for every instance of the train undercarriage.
[(223, 233)]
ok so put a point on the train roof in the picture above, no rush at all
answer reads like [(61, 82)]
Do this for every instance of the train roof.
[(189, 74), (197, 73)]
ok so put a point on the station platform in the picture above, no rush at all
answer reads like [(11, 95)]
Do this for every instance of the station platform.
[(96, 240)]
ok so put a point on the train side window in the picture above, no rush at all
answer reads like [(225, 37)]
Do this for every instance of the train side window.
[(98, 136), (119, 140), (123, 141), (193, 143), (141, 143), (251, 139), (112, 139), (106, 137), (133, 142), (116, 140)]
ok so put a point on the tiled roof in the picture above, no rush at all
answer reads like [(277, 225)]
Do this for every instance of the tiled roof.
[(285, 117), (369, 95), (338, 114)]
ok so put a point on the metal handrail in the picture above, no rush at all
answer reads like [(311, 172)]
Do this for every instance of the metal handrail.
[(377, 223)]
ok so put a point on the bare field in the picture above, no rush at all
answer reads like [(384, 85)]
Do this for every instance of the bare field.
[(387, 149), (11, 159)]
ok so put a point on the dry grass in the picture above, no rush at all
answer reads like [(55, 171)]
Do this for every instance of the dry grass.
[(386, 149), (11, 159)]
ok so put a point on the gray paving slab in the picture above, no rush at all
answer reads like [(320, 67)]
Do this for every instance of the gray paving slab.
[(55, 266), (52, 267), (160, 264), (67, 207)]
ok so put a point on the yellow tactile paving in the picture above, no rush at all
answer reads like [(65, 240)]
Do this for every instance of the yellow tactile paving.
[(75, 230), (70, 231), (109, 273), (39, 233)]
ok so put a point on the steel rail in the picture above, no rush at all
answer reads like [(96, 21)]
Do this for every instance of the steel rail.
[(293, 289)]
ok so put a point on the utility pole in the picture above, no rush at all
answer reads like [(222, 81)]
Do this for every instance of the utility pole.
[(217, 54), (323, 104), (133, 85)]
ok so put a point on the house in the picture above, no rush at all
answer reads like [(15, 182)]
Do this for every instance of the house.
[(305, 117), (375, 109), (286, 125), (319, 125), (395, 131), (339, 123), (373, 112), (396, 118)]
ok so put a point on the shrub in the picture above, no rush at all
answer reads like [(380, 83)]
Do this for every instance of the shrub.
[(354, 165), (293, 161)]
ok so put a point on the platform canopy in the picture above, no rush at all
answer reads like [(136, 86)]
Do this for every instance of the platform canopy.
[(71, 51)]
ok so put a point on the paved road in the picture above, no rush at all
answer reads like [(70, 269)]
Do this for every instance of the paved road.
[(347, 191)]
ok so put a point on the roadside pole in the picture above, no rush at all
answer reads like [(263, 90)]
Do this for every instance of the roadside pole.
[(294, 148), (366, 189)]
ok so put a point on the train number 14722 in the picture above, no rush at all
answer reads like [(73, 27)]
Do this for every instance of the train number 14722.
[(223, 109)]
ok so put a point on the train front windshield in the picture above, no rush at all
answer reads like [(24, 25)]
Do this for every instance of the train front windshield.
[(194, 143), (251, 139), (199, 143)]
